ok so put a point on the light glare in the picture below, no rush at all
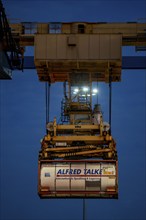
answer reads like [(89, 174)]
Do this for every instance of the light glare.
[(76, 90), (85, 89), (95, 90)]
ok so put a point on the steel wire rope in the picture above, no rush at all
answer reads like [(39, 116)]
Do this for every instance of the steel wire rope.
[(110, 100), (47, 97), (97, 92), (84, 209)]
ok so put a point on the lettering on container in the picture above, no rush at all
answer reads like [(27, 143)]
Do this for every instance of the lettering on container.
[(79, 172), (82, 172)]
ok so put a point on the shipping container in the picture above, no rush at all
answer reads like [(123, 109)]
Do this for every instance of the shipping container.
[(78, 178)]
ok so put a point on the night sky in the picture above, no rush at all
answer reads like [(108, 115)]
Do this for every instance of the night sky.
[(22, 122)]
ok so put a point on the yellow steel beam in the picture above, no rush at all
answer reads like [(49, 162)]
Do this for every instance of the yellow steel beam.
[(77, 127), (133, 34), (69, 148), (82, 153), (86, 138)]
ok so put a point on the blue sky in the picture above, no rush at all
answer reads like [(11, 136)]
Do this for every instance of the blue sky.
[(22, 123), (105, 10)]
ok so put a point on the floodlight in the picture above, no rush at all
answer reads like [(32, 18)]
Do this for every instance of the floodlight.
[(95, 91), (76, 90), (85, 89)]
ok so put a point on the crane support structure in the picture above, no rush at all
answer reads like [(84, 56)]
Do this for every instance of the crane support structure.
[(11, 54), (79, 47), (133, 33), (19, 35), (128, 62)]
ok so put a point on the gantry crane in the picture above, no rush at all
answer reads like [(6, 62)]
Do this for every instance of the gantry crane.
[(78, 54), (11, 53)]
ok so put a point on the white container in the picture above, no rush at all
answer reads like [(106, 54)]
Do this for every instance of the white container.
[(82, 178)]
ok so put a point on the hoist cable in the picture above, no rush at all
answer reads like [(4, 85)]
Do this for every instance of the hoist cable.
[(47, 97), (49, 101), (110, 103), (84, 209), (97, 93)]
